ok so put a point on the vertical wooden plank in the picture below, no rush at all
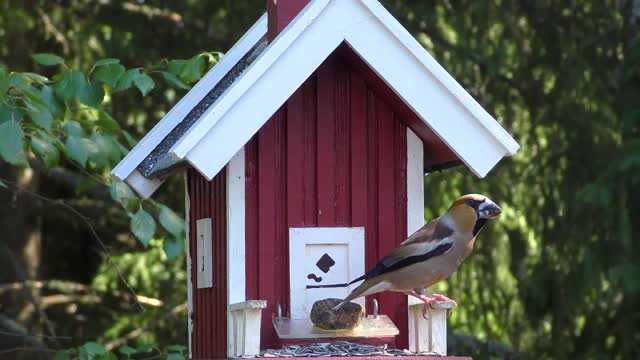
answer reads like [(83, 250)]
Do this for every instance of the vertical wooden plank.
[(326, 131), (359, 164), (296, 159), (200, 314), (282, 229), (310, 100), (400, 160), (386, 194), (372, 240), (266, 222), (343, 145), (251, 218), (207, 294), (193, 193)]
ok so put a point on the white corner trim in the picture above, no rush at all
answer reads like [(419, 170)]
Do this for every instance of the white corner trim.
[(187, 208), (236, 279), (236, 270), (415, 216), (405, 66), (143, 186), (190, 100), (415, 182)]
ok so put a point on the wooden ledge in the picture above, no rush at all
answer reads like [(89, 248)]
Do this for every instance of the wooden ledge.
[(246, 305), (434, 305)]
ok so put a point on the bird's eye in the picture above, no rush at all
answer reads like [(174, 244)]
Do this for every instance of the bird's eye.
[(471, 203)]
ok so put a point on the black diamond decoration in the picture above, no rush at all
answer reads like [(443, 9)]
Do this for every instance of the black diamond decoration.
[(325, 263)]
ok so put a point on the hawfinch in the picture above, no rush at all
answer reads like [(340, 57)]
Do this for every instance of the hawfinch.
[(431, 254)]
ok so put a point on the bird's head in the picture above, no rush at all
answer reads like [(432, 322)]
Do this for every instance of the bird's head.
[(472, 211)]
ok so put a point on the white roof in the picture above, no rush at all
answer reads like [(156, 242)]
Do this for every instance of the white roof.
[(379, 39)]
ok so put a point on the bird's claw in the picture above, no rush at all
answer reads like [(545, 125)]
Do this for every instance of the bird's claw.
[(438, 297)]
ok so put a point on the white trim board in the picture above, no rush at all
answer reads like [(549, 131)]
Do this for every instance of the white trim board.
[(236, 271), (415, 220), (404, 65)]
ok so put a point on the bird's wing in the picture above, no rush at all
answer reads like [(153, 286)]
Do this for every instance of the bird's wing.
[(431, 240)]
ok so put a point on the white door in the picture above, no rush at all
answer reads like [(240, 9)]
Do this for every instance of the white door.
[(320, 257)]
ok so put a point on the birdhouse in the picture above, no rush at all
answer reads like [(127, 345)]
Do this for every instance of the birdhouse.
[(305, 151)]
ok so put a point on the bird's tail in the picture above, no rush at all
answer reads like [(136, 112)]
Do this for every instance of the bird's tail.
[(356, 293), (336, 285)]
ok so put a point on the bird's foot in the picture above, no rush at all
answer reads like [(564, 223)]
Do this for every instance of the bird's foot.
[(427, 304), (438, 297)]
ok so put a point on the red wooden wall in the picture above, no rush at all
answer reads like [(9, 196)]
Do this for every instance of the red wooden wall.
[(334, 155), (209, 311)]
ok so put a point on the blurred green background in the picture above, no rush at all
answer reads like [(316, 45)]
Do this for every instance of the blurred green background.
[(557, 278)]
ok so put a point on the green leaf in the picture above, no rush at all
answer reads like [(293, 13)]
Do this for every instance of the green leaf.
[(143, 226), (171, 221), (175, 356), (106, 152), (41, 116), (93, 349), (108, 61), (192, 69), (122, 193), (127, 350), (92, 94), (126, 80), (107, 122), (176, 348), (48, 59), (131, 141), (73, 128), (145, 348), (9, 113), (71, 85), (12, 143), (78, 149), (61, 356), (37, 78), (109, 74), (144, 83), (44, 147), (172, 248), (175, 66), (174, 81), (48, 96)]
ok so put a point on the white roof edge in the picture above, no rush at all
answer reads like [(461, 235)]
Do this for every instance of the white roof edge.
[(252, 74), (128, 165), (410, 42), (226, 126), (360, 14)]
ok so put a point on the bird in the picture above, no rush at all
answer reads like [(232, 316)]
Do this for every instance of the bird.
[(431, 254)]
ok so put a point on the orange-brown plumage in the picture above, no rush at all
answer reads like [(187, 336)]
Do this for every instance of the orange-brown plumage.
[(432, 253)]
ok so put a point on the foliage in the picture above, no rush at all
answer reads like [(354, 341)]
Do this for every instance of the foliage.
[(65, 119), (555, 278), (95, 351)]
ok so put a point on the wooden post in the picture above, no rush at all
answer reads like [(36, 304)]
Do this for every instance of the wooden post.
[(428, 335), (246, 318)]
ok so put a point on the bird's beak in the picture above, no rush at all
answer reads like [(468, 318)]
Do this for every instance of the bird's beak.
[(488, 210)]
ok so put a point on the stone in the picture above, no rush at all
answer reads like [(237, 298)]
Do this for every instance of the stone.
[(347, 318)]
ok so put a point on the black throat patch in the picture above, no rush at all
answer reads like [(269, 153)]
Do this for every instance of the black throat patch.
[(478, 226)]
